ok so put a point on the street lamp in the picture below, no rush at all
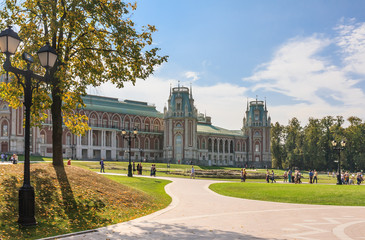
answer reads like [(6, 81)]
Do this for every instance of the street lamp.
[(9, 42), (129, 135), (339, 148), (140, 153)]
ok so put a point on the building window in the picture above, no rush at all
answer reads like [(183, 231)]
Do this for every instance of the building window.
[(257, 147), (68, 139), (5, 130), (156, 144), (146, 144)]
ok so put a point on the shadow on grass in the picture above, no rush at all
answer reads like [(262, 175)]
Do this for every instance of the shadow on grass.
[(79, 214), (57, 209)]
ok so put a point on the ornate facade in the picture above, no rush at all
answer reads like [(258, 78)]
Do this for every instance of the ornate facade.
[(179, 135)]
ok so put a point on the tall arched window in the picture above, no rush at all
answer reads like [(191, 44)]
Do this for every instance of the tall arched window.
[(146, 143), (157, 144), (68, 139), (178, 148), (4, 129)]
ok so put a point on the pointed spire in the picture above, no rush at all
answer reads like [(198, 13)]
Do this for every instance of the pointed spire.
[(265, 105), (170, 89), (191, 91), (247, 106)]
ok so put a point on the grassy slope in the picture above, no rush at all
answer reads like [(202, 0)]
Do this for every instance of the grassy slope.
[(345, 195), (82, 200)]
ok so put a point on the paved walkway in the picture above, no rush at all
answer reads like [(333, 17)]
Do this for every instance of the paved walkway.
[(198, 213)]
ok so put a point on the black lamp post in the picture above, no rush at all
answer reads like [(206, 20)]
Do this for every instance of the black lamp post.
[(129, 135), (9, 42), (140, 153), (339, 148)]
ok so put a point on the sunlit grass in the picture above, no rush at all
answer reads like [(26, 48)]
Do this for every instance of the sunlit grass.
[(73, 199), (345, 195)]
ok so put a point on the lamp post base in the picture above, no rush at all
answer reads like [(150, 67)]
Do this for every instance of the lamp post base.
[(339, 182), (130, 174), (26, 206)]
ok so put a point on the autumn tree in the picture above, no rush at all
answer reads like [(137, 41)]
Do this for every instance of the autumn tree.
[(96, 42)]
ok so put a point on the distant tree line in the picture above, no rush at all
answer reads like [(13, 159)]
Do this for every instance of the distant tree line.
[(310, 147)]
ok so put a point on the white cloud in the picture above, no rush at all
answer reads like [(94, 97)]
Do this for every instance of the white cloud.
[(300, 70), (351, 39), (192, 75)]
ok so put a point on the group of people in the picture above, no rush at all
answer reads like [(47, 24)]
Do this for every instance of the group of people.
[(270, 176), (153, 170), (295, 177), (12, 158), (347, 180)]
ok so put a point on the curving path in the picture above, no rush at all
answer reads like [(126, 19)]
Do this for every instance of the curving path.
[(198, 213)]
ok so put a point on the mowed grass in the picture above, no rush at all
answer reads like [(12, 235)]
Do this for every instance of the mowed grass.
[(345, 195), (72, 199)]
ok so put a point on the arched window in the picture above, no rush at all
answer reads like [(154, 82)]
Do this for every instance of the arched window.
[(146, 143), (136, 143), (203, 144), (4, 129), (68, 139), (178, 148), (221, 146), (157, 143), (42, 137)]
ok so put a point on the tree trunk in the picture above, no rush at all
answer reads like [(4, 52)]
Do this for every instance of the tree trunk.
[(57, 125)]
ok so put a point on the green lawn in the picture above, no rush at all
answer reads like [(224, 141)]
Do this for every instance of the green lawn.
[(73, 199), (345, 195)]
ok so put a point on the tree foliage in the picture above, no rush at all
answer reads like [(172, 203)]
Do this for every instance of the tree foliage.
[(96, 42), (310, 147)]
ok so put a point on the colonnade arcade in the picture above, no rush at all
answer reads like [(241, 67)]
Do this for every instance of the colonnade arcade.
[(222, 151), (105, 140)]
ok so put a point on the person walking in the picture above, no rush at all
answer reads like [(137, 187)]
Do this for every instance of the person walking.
[(315, 176), (154, 170), (192, 173), (289, 175), (242, 175), (273, 177), (285, 176), (69, 162), (267, 176), (102, 166), (311, 176)]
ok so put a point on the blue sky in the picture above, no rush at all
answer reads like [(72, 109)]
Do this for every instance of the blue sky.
[(307, 58)]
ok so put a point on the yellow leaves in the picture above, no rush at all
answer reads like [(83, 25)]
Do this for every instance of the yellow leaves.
[(11, 93), (77, 123)]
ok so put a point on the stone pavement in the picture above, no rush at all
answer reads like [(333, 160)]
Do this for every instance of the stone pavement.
[(198, 213)]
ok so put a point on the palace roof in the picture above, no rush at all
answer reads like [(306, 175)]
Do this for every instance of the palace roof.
[(107, 104), (203, 128)]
